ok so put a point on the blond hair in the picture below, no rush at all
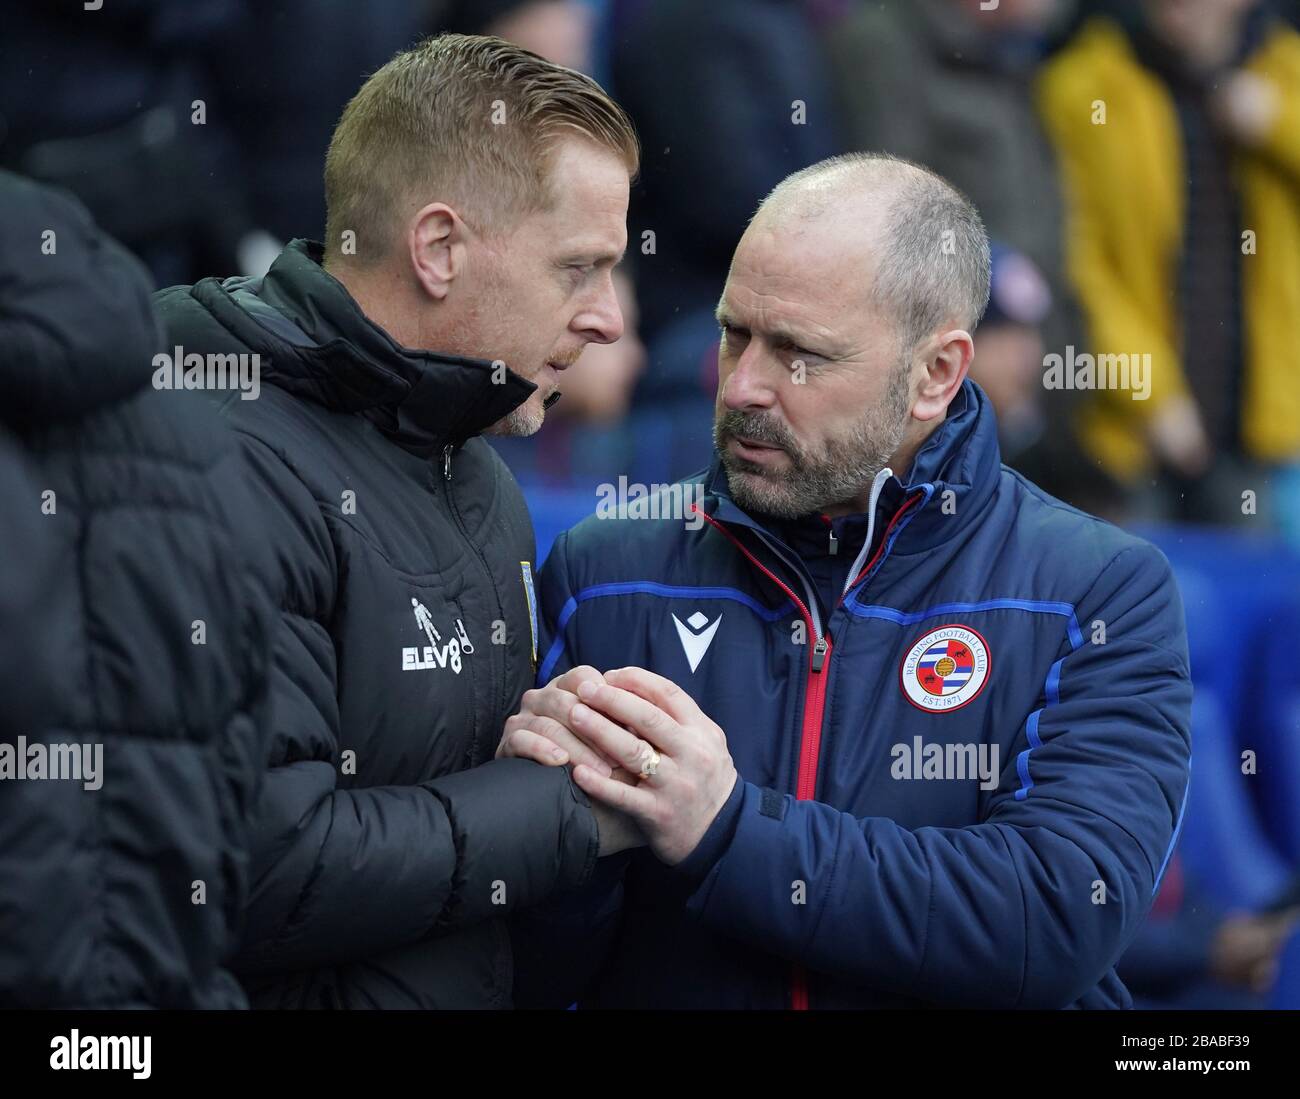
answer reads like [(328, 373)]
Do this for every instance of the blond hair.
[(468, 120)]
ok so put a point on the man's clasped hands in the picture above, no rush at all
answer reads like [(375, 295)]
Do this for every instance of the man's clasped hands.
[(656, 768)]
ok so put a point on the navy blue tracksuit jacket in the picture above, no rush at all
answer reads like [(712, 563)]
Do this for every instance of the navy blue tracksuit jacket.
[(862, 860)]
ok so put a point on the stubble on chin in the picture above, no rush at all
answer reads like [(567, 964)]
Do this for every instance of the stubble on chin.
[(520, 422), (813, 483), (760, 493)]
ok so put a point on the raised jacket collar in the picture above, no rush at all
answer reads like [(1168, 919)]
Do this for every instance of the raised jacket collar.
[(316, 343)]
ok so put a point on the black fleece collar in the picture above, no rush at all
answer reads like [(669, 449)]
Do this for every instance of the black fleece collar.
[(331, 353)]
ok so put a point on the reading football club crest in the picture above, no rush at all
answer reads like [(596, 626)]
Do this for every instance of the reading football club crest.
[(945, 669)]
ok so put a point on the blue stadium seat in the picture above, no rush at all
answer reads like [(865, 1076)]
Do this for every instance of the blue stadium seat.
[(1240, 595), (1286, 992), (1274, 722), (1224, 843), (555, 511)]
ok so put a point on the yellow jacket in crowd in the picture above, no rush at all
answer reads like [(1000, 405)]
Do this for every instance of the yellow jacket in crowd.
[(1120, 147)]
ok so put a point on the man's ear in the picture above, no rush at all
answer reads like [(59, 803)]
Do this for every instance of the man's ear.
[(946, 367), (437, 241)]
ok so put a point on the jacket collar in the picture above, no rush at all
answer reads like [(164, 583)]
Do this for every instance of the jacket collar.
[(316, 343), (961, 457)]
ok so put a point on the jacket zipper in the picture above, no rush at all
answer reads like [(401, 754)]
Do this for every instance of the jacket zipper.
[(833, 545), (814, 704), (818, 658), (496, 594)]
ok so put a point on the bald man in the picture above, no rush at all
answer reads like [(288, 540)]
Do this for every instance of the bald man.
[(899, 729)]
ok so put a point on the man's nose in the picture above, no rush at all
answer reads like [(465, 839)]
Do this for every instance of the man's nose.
[(752, 381), (601, 321)]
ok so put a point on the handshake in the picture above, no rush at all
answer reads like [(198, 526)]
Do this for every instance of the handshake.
[(656, 768)]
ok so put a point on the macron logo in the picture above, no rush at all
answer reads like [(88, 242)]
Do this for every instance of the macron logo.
[(696, 634)]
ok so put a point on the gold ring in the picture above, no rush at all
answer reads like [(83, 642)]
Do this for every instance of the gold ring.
[(650, 762)]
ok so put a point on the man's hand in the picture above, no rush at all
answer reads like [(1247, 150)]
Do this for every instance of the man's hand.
[(1246, 106), (1246, 948), (540, 732), (1177, 435), (626, 716)]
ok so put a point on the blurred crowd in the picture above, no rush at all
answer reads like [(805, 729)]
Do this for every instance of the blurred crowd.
[(1137, 165)]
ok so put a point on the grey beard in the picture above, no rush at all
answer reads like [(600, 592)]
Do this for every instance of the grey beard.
[(839, 474)]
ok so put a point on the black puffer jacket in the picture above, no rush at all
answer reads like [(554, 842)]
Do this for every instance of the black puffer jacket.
[(118, 521), (390, 844)]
